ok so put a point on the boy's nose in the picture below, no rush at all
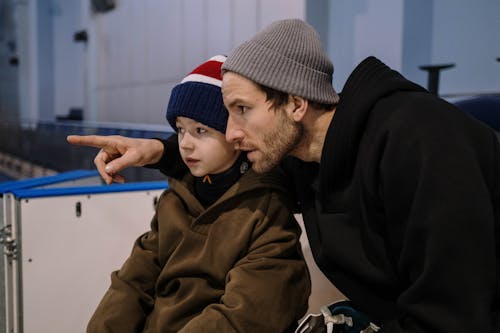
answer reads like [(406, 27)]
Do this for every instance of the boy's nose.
[(185, 142)]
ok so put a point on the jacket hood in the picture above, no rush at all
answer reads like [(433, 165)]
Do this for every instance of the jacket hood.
[(371, 81)]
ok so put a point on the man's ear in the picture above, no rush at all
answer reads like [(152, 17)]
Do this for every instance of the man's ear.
[(298, 107)]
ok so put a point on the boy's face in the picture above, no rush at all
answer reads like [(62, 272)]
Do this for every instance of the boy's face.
[(204, 149)]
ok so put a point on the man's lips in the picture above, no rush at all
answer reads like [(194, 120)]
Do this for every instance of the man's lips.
[(245, 148), (250, 151), (251, 154)]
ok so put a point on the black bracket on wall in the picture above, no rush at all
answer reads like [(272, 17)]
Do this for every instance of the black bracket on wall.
[(103, 6), (14, 61), (433, 78), (81, 36)]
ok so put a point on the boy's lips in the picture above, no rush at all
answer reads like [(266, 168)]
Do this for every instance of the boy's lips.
[(191, 161)]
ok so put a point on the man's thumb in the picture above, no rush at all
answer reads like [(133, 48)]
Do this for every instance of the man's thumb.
[(116, 166)]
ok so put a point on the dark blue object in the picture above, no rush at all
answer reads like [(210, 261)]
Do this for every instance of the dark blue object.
[(78, 190), (483, 108), (359, 322), (31, 183)]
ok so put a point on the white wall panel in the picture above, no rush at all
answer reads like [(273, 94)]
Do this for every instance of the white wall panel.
[(194, 25), (219, 26), (121, 59), (68, 57), (146, 47), (138, 105), (272, 10), (385, 41), (127, 42), (102, 105), (467, 33), (125, 98), (158, 96), (245, 20), (119, 104), (163, 38), (114, 39), (102, 53), (136, 41)]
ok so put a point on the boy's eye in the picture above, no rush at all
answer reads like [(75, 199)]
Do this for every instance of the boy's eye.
[(200, 130), (180, 130)]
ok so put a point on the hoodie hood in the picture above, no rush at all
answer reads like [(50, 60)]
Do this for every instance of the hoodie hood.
[(371, 81)]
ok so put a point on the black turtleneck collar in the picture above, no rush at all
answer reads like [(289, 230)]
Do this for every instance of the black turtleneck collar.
[(209, 188)]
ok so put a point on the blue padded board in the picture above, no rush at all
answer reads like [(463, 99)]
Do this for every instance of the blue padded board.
[(483, 108)]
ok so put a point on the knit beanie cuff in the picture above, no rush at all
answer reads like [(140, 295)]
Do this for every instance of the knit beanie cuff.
[(201, 102)]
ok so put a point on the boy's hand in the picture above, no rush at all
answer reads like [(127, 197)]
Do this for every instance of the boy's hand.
[(118, 153)]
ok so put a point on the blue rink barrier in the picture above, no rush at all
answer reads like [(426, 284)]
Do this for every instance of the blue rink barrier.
[(113, 188), (57, 179)]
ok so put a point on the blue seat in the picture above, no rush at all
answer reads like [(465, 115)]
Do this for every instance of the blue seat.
[(483, 108)]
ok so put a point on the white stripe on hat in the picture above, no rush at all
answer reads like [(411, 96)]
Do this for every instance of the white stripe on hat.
[(220, 58), (202, 79)]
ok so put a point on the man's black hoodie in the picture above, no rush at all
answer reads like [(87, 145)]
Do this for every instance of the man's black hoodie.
[(403, 212)]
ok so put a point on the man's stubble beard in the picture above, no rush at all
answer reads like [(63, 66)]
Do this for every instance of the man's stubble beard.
[(278, 144)]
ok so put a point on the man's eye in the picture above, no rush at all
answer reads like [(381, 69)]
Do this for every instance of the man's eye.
[(242, 109), (180, 130)]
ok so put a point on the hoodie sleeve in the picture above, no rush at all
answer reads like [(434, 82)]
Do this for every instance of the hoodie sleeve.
[(268, 288), (438, 188), (171, 163), (130, 297)]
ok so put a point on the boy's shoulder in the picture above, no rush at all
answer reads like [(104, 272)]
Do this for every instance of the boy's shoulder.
[(272, 180), (250, 181)]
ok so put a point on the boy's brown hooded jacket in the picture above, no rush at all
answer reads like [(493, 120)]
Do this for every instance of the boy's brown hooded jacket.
[(233, 267)]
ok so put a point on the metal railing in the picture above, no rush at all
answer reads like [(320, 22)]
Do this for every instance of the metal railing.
[(43, 143)]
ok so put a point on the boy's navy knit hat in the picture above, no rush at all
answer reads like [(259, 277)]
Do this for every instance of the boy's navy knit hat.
[(199, 96), (287, 56)]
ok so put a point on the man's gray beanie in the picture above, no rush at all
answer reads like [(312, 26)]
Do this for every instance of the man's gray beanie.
[(287, 56)]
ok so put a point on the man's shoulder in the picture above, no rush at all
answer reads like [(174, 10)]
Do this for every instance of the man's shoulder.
[(419, 113)]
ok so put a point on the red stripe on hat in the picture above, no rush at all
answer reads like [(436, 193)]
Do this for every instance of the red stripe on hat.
[(211, 68)]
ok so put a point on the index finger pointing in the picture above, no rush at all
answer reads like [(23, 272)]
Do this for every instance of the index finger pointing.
[(96, 141)]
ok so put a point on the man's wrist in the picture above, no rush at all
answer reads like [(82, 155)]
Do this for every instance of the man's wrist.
[(159, 149), (158, 152)]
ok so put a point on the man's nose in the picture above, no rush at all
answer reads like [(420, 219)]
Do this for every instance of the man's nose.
[(233, 133)]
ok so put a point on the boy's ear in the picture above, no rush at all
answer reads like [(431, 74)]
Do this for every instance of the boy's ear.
[(298, 107)]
